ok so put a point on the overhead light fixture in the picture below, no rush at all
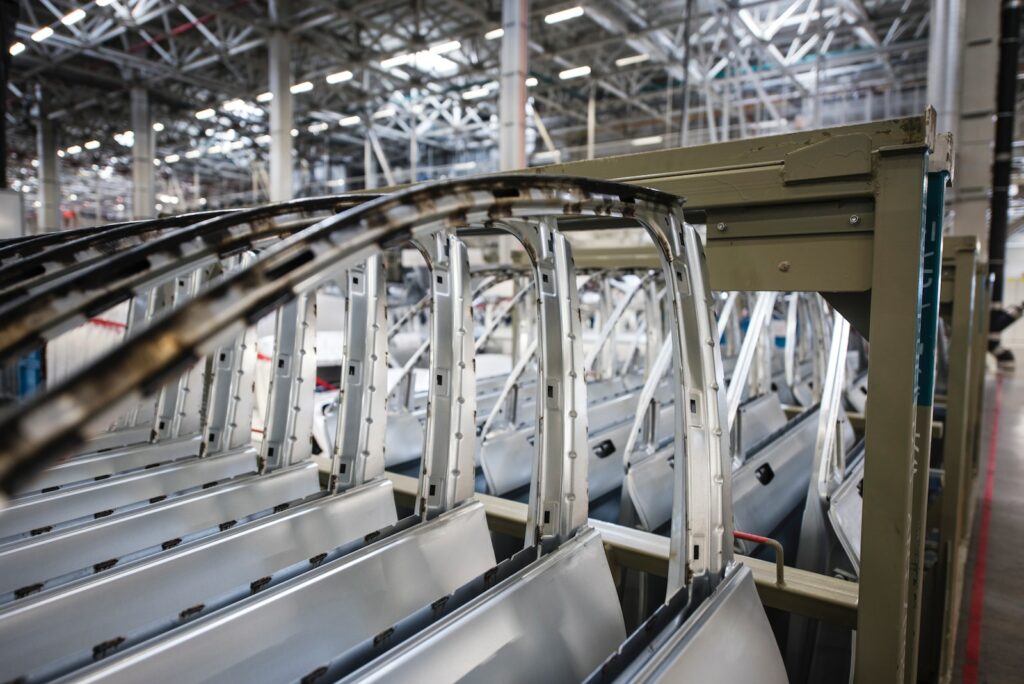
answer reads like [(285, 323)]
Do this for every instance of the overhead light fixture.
[(73, 17), (476, 93), (633, 59), (103, 3), (92, 144), (262, 139), (172, 158), (17, 48), (318, 127), (295, 132), (494, 34), (384, 113), (531, 81), (42, 34), (213, 149), (303, 87), (158, 127), (60, 153), (564, 15), (649, 140), (207, 113), (446, 46), (396, 61), (74, 149), (157, 162), (575, 72), (339, 77), (265, 97), (192, 154), (349, 121)]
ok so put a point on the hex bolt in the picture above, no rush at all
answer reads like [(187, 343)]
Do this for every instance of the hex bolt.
[(854, 219), (721, 226), (784, 266)]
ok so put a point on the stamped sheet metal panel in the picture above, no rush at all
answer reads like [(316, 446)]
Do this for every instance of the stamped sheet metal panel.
[(107, 463), (48, 633), (58, 557), (288, 631), (845, 511), (554, 621), (774, 480), (38, 511), (727, 640), (116, 439)]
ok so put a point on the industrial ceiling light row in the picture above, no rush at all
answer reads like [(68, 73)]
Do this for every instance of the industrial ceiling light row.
[(45, 32)]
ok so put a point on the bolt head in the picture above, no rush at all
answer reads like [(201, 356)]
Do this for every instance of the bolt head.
[(854, 219), (784, 266), (721, 226)]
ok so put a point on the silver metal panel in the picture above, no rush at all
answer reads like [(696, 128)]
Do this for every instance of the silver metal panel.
[(760, 503), (113, 462), (727, 639), (757, 419), (290, 630), (61, 556), (39, 511), (117, 439), (554, 621), (49, 633), (845, 510), (403, 441)]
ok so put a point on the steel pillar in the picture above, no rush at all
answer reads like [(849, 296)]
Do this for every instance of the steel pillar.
[(49, 176), (280, 117), (143, 188), (512, 103)]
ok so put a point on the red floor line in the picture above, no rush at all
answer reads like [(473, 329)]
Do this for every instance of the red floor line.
[(973, 651)]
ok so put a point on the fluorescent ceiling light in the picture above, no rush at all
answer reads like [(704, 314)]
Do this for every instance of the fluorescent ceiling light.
[(192, 154), (303, 87), (74, 149), (476, 93), (171, 158), (73, 17), (531, 81), (262, 139), (17, 48), (207, 113), (318, 127), (494, 34), (213, 149), (649, 140), (564, 15), (396, 61), (349, 121), (295, 132), (339, 77), (92, 144), (157, 162), (42, 34), (158, 127), (634, 59), (103, 3), (447, 46), (61, 153), (265, 97), (575, 72), (384, 113)]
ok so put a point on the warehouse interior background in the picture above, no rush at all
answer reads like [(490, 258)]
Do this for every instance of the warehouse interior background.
[(128, 110)]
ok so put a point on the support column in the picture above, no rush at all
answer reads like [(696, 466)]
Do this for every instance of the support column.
[(591, 122), (280, 117), (512, 103), (974, 134), (369, 166), (49, 175), (944, 62), (143, 188)]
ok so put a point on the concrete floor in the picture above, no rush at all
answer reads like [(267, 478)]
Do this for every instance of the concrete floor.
[(998, 628)]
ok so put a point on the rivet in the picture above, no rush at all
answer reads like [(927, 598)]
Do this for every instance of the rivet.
[(854, 219), (721, 226), (784, 266)]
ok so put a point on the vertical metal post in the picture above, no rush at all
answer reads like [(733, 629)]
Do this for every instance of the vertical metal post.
[(931, 280), (448, 451), (369, 167), (359, 443), (515, 17), (591, 121), (279, 46), (289, 421), (49, 175), (892, 415), (143, 190), (414, 150)]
